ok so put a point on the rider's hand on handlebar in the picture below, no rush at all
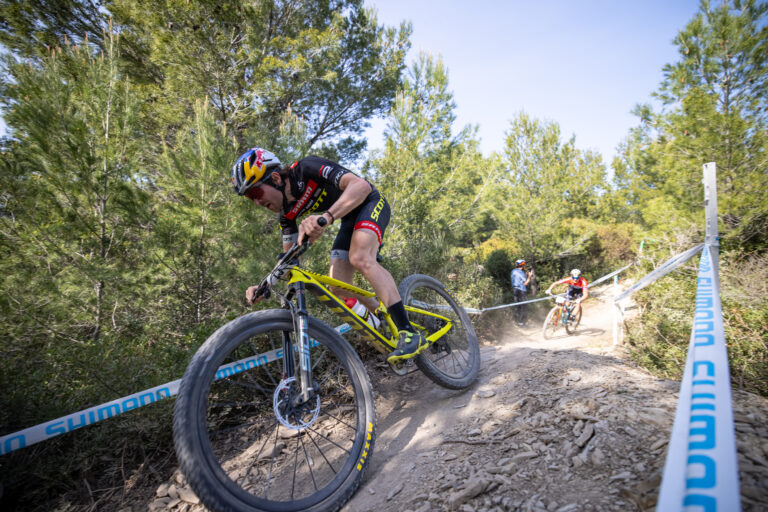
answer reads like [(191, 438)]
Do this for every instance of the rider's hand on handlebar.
[(311, 228), (250, 295), (548, 292)]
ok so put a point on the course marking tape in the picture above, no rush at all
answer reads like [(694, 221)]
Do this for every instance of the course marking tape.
[(701, 471), (590, 285), (74, 421), (660, 271)]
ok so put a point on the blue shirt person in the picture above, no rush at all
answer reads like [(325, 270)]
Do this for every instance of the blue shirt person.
[(520, 279)]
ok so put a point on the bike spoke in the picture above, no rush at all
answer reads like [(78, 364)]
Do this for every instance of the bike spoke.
[(319, 359), (271, 463), (308, 460), (322, 453), (295, 466), (326, 413), (337, 445)]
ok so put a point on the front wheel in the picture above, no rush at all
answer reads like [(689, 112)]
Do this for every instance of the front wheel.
[(244, 440), (552, 323), (573, 322), (453, 360)]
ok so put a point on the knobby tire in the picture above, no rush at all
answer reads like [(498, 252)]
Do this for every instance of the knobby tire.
[(552, 323), (233, 450), (573, 322), (454, 360)]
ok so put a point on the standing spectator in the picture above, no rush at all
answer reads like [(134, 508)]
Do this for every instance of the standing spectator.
[(520, 279)]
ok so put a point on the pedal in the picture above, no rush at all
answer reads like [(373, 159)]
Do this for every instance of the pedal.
[(400, 368)]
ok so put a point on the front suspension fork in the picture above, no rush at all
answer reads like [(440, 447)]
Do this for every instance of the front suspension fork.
[(301, 328)]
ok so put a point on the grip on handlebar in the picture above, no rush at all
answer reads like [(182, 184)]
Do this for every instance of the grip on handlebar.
[(322, 221)]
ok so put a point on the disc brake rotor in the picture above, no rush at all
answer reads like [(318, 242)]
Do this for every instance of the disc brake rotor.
[(293, 416)]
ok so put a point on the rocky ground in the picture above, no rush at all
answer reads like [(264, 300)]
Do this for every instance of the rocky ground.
[(566, 424)]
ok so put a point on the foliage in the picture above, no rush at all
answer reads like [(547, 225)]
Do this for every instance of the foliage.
[(542, 182), (714, 110), (330, 63), (499, 266), (659, 337), (122, 247), (432, 178), (32, 28)]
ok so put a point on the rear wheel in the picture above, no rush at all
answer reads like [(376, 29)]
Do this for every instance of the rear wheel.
[(552, 323), (243, 439), (452, 361), (573, 322)]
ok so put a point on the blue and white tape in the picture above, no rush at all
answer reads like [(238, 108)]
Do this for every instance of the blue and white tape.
[(701, 471), (54, 428)]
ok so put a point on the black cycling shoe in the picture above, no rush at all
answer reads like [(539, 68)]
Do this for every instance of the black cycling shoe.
[(410, 344)]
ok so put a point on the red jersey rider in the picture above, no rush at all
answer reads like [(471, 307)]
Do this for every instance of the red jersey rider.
[(577, 288)]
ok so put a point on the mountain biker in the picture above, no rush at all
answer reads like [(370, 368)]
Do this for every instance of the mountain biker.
[(520, 279), (577, 289), (316, 187)]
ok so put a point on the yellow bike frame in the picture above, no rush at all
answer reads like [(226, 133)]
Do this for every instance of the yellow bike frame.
[(318, 285)]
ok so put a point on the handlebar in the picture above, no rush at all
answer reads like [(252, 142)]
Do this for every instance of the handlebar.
[(284, 262)]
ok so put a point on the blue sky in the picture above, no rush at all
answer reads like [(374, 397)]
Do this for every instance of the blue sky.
[(582, 64)]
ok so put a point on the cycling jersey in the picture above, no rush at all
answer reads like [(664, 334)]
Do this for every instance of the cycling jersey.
[(315, 182), (575, 288)]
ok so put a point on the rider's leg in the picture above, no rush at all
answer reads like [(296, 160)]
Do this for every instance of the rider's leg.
[(362, 256), (343, 270)]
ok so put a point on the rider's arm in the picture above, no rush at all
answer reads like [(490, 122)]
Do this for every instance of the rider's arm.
[(355, 189), (290, 232), (556, 283), (586, 291)]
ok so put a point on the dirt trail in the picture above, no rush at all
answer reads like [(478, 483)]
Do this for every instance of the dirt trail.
[(562, 425)]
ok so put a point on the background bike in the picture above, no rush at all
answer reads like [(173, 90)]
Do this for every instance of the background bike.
[(561, 316), (276, 411)]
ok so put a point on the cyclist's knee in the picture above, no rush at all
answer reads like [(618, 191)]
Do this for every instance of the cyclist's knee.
[(362, 261)]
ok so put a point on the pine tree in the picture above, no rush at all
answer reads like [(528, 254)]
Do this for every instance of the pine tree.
[(330, 63), (543, 184), (432, 177), (194, 219), (72, 221), (714, 109)]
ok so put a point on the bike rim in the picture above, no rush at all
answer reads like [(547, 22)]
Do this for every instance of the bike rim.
[(450, 354), (303, 456)]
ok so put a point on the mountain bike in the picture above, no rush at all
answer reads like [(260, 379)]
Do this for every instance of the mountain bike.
[(276, 412), (561, 315)]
